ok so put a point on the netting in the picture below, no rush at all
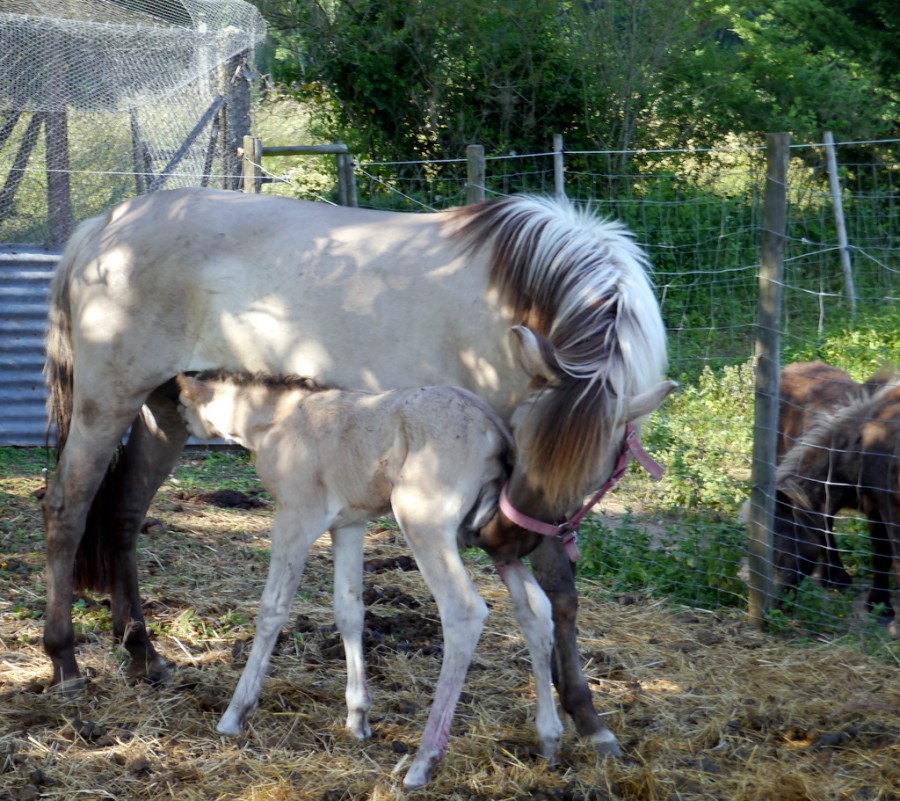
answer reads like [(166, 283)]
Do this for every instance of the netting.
[(130, 95)]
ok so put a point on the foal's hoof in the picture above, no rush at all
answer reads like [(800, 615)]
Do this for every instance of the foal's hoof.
[(605, 744), (67, 687)]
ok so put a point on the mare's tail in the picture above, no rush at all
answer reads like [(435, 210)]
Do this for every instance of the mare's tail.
[(93, 563)]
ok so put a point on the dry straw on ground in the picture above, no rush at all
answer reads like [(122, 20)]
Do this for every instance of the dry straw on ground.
[(704, 706)]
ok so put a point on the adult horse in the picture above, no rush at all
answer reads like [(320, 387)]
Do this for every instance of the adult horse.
[(189, 280)]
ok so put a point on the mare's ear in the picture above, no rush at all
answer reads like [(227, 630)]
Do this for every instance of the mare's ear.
[(535, 355), (193, 392), (649, 401)]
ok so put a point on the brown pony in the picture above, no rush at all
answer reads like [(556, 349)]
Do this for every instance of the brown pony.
[(193, 279), (851, 459), (810, 391)]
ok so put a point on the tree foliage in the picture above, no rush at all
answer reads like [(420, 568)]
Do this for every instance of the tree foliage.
[(416, 79)]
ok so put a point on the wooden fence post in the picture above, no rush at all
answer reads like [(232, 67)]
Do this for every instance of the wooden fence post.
[(346, 179), (252, 164), (234, 86), (475, 173), (768, 342), (559, 167)]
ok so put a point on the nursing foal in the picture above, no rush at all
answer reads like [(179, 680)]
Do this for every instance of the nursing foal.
[(332, 459)]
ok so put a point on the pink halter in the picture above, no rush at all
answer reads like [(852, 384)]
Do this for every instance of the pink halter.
[(567, 531)]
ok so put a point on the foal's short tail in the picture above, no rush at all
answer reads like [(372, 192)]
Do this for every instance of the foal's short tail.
[(93, 563)]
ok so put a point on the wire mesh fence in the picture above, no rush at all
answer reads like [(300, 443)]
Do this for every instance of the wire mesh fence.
[(698, 214)]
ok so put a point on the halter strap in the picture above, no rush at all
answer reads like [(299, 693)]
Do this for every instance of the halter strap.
[(567, 531)]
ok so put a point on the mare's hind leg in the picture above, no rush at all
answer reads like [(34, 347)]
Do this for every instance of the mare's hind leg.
[(349, 615), (290, 546), (156, 440), (556, 574), (532, 610), (79, 473)]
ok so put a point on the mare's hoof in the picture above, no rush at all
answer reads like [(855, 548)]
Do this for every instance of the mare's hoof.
[(156, 672)]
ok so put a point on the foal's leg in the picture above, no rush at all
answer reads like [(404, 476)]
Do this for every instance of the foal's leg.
[(156, 440), (290, 547), (556, 574), (432, 538), (349, 615), (532, 610)]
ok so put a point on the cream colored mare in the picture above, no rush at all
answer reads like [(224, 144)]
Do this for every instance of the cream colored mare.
[(200, 279), (436, 457)]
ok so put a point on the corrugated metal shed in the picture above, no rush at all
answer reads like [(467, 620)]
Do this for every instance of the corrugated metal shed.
[(25, 273)]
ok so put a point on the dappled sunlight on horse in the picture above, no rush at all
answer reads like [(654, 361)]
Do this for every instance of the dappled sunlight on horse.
[(190, 280)]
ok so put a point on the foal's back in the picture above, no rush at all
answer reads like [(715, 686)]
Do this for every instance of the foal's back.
[(361, 445)]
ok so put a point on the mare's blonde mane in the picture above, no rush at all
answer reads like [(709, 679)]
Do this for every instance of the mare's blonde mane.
[(583, 284)]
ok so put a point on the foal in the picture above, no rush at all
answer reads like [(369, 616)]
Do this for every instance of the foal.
[(332, 459)]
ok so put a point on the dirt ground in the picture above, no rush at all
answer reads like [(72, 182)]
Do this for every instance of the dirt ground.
[(704, 706)]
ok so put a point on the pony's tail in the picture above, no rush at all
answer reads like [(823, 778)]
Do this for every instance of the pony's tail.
[(93, 563)]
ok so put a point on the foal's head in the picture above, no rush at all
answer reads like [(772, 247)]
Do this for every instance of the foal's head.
[(219, 403)]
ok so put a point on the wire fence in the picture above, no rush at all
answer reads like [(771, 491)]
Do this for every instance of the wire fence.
[(698, 214)]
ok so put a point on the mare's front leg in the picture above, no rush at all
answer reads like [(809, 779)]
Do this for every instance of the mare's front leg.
[(290, 546), (349, 615), (556, 574), (157, 438), (532, 610)]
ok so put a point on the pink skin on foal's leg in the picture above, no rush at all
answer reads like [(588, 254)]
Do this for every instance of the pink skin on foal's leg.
[(462, 611)]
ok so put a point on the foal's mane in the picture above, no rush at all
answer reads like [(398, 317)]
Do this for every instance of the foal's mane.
[(266, 380), (583, 284)]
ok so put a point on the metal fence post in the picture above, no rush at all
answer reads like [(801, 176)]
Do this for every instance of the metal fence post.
[(559, 167)]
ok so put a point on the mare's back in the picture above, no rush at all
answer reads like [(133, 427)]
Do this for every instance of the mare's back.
[(355, 297)]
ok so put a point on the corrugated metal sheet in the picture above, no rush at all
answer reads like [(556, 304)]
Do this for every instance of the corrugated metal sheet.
[(25, 274)]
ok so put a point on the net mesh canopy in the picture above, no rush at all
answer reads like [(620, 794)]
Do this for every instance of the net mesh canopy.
[(143, 86)]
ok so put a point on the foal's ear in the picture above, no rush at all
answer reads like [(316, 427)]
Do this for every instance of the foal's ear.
[(193, 392), (649, 401), (535, 355)]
